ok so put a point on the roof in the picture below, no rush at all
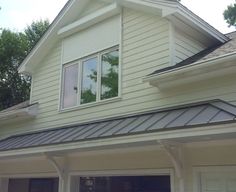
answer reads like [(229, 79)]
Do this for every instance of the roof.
[(212, 52), (18, 112), (181, 117), (69, 14), (15, 107)]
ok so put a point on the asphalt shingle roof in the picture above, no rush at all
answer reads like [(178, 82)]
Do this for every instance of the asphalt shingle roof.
[(187, 116), (211, 52)]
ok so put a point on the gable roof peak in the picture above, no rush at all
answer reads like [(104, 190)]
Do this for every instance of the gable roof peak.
[(170, 9)]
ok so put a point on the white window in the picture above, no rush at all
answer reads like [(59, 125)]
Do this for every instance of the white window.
[(70, 85), (91, 79), (215, 179)]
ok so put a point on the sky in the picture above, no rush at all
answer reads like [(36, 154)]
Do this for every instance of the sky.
[(17, 14)]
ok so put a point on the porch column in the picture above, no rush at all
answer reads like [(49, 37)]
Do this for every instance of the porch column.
[(62, 170), (175, 152), (4, 184)]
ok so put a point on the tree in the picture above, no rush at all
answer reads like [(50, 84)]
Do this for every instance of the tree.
[(35, 31), (14, 47), (230, 15)]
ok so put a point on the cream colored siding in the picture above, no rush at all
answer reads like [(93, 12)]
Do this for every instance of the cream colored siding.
[(145, 48), (186, 46)]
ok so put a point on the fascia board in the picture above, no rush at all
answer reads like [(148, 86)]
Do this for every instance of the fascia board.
[(161, 8), (204, 131), (168, 9), (50, 37), (89, 20), (175, 8), (199, 64), (203, 25)]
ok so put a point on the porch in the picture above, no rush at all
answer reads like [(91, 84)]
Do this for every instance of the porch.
[(185, 149)]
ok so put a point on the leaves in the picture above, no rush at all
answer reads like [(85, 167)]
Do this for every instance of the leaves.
[(35, 31), (230, 15), (14, 47)]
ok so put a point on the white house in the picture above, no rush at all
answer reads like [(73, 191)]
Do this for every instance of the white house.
[(126, 95)]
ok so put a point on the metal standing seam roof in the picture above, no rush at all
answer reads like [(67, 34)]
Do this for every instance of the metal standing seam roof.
[(186, 116)]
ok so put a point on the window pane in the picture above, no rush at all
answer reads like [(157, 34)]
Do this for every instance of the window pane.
[(109, 76), (70, 86), (89, 81), (43, 185), (33, 185), (125, 184)]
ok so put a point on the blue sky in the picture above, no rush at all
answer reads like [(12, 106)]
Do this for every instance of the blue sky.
[(16, 14)]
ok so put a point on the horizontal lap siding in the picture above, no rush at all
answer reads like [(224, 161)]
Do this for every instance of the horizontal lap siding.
[(145, 49), (186, 46)]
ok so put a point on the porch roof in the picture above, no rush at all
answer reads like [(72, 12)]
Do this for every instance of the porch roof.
[(180, 117)]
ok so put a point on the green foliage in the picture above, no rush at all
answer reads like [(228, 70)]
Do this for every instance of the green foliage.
[(110, 80), (230, 15), (87, 96), (35, 31), (14, 47)]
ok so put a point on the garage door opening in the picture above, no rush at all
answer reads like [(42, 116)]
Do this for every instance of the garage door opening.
[(122, 183)]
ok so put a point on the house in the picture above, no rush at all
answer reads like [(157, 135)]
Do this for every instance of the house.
[(126, 95)]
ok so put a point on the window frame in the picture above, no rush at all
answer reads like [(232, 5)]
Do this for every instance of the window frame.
[(63, 84), (129, 172), (79, 62)]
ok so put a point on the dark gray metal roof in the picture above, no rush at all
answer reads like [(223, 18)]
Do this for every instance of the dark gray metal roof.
[(187, 116), (211, 52)]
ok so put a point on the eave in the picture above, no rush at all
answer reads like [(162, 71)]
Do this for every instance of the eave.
[(206, 133), (17, 115), (87, 21), (199, 71)]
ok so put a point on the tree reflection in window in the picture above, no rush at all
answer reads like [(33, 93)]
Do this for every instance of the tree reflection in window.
[(109, 75), (89, 81)]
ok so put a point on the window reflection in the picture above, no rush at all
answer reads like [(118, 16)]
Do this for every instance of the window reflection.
[(89, 81), (109, 76)]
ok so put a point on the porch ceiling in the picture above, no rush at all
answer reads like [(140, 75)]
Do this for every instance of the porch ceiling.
[(183, 117)]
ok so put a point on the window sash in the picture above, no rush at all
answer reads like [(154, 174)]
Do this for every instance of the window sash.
[(79, 86), (93, 85), (69, 97)]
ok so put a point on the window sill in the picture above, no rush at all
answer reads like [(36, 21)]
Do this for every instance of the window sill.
[(85, 106)]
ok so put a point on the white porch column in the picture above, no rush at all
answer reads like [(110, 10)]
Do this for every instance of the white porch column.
[(175, 152), (62, 170), (4, 184)]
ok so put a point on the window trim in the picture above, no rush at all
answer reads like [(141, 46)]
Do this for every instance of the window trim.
[(79, 62), (197, 171)]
